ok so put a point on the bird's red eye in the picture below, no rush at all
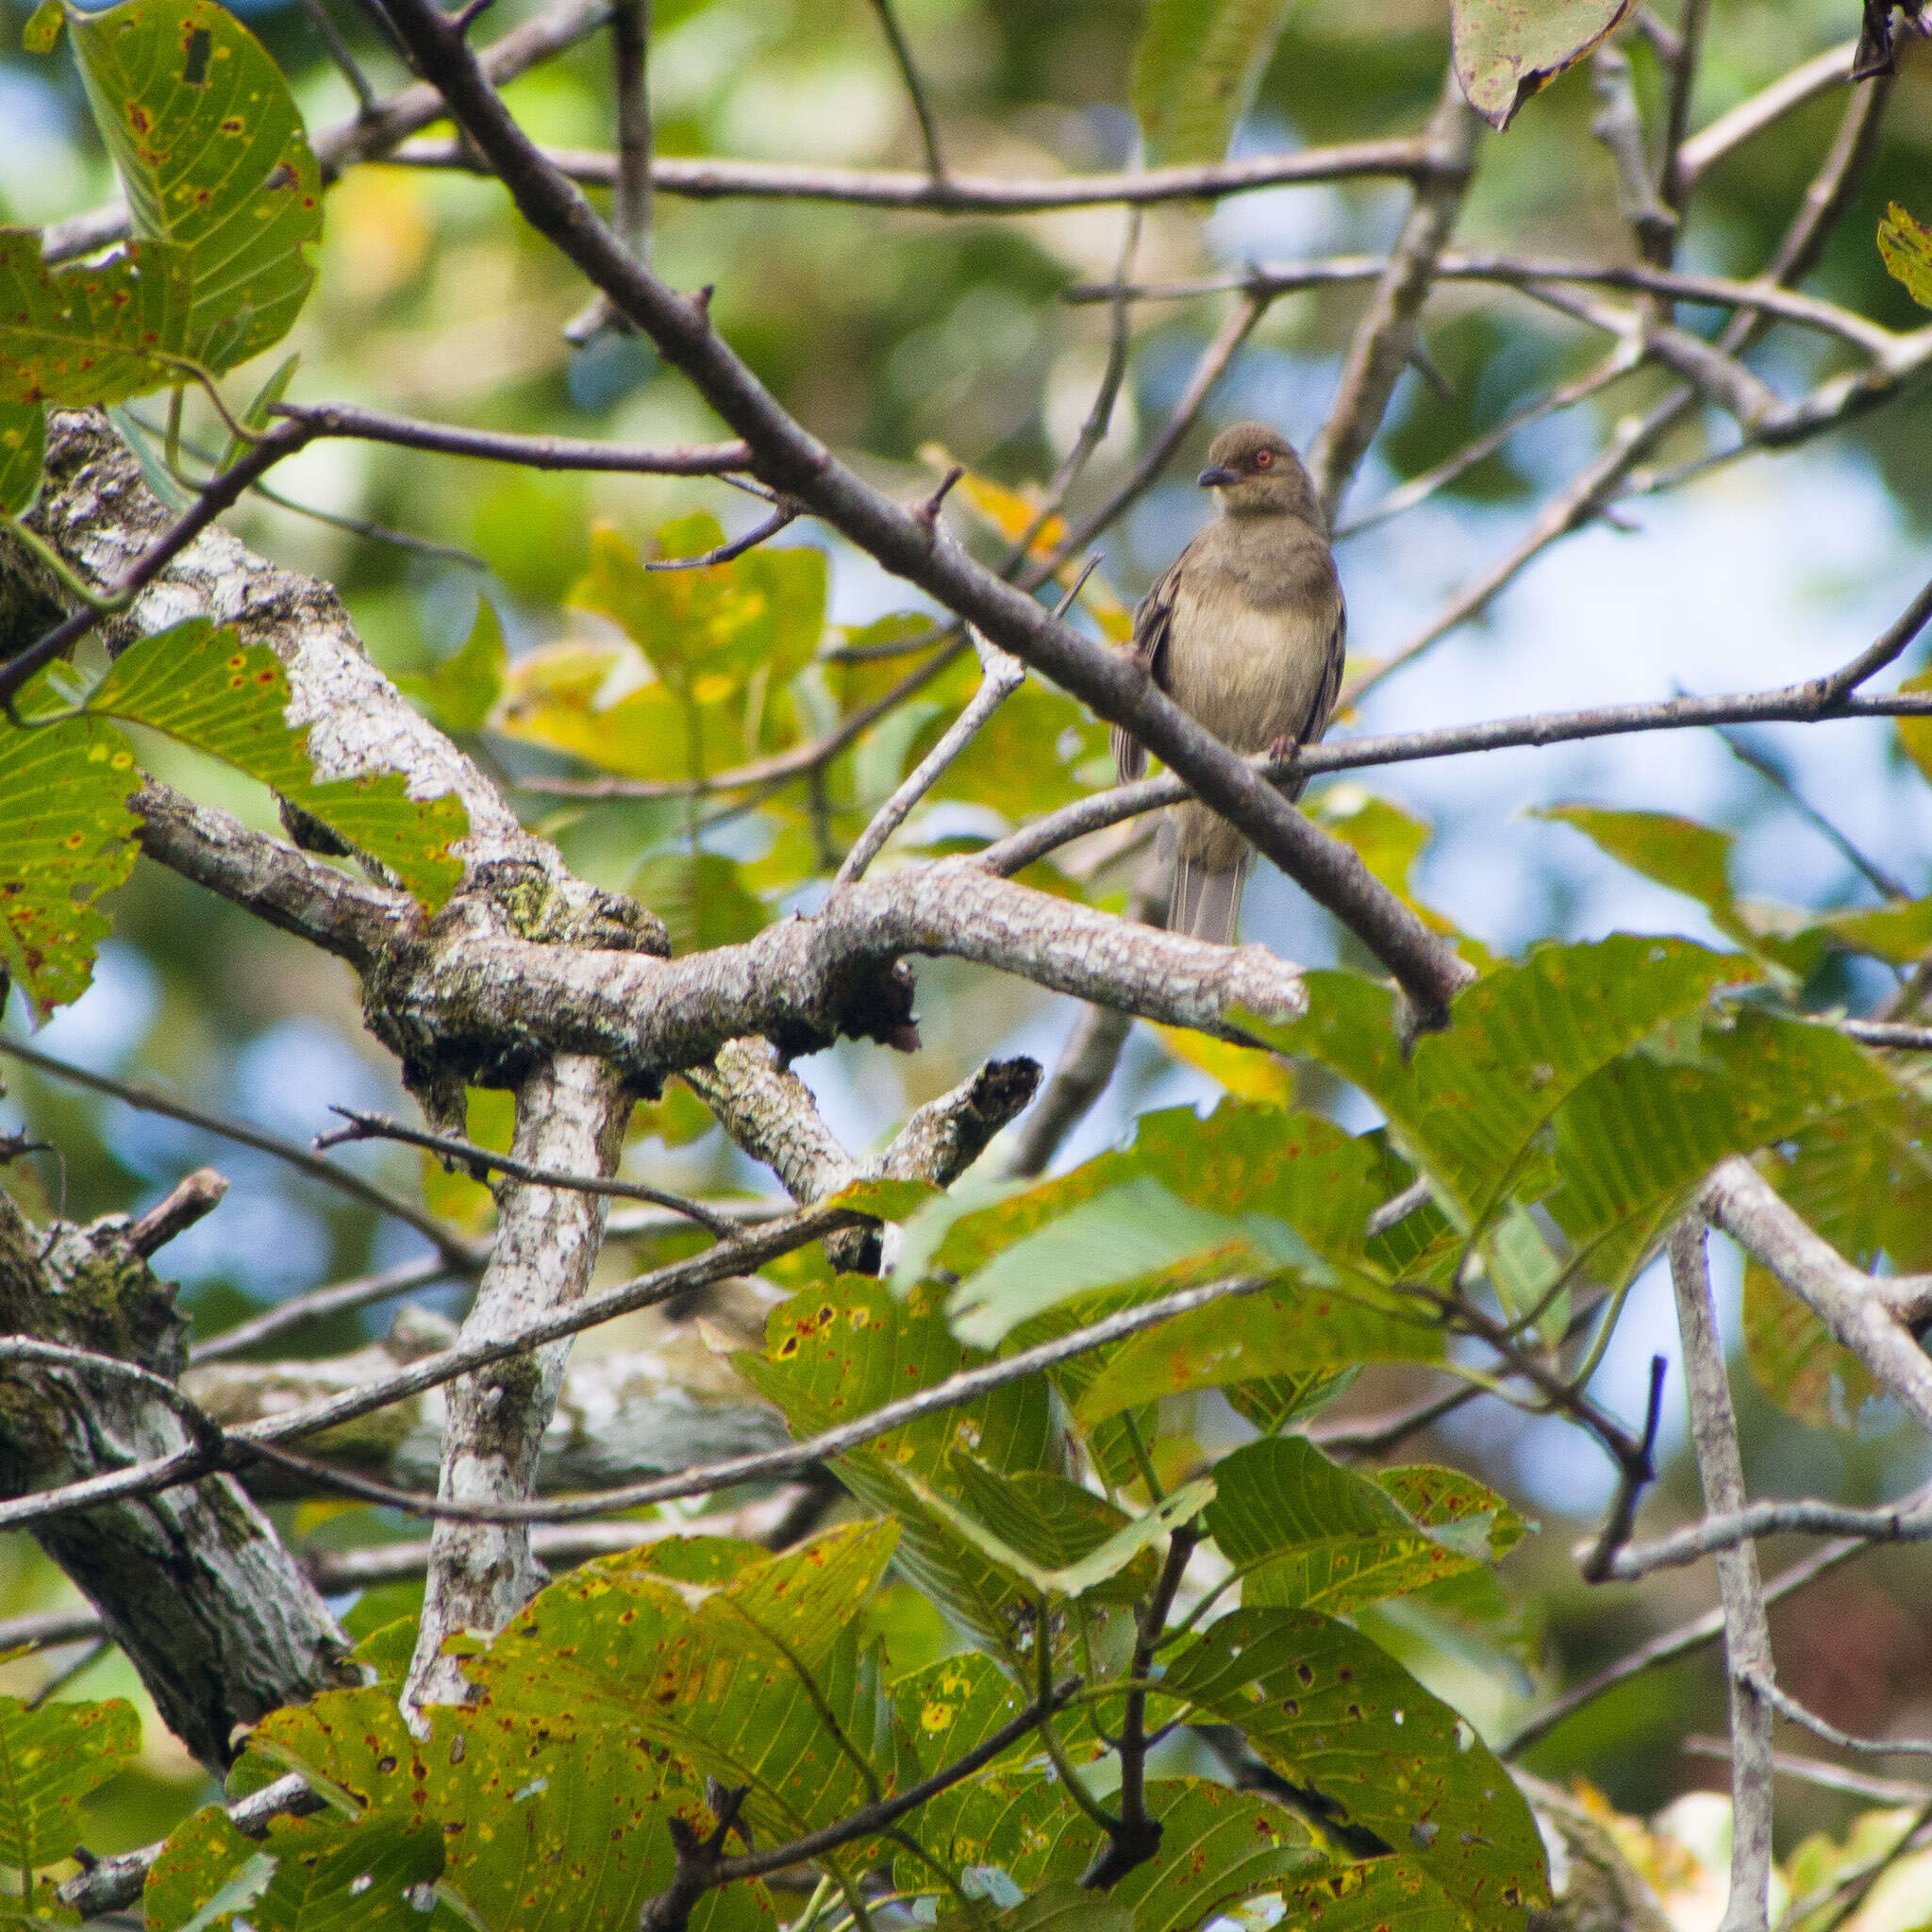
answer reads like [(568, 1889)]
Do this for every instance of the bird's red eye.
[(1263, 457)]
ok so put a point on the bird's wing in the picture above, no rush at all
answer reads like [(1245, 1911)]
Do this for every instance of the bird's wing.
[(1152, 622), (1323, 709)]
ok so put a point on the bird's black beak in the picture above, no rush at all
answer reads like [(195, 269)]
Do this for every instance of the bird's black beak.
[(1217, 478)]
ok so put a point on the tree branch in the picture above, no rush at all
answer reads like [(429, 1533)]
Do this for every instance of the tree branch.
[(1747, 1633)]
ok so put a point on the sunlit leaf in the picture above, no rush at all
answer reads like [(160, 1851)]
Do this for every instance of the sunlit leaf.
[(210, 147), (66, 840), (1307, 1534), (1507, 50), (91, 334), (1197, 70), (1906, 246), (205, 687), (50, 1761)]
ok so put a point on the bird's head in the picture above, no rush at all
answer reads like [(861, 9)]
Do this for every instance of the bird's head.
[(1255, 473)]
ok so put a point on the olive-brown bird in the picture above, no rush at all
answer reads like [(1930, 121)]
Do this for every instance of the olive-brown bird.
[(1245, 632)]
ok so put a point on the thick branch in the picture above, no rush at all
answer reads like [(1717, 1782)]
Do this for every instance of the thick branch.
[(796, 465), (571, 1115)]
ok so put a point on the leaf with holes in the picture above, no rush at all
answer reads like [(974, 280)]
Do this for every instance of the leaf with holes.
[(1197, 70), (1307, 1534), (91, 334), (211, 690), (50, 1761), (208, 142), (66, 840), (1329, 1710), (22, 451), (1906, 245), (836, 1353), (1507, 50)]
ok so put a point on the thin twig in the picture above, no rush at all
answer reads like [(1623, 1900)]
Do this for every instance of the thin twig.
[(1907, 1521), (1686, 1639), (1000, 676), (1674, 180), (480, 1161), (219, 494), (724, 553), (1820, 1771), (922, 108), (1747, 1631), (1636, 1472), (1792, 1711), (499, 446), (457, 1252), (1774, 774), (340, 1298), (337, 50)]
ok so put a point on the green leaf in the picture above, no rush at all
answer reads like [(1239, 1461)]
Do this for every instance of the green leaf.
[(335, 1875), (1507, 50), (22, 451), (702, 899), (1636, 1137), (1377, 1895), (1308, 1534), (1906, 245), (1124, 1235), (887, 1198), (548, 1823), (1329, 1710), (1028, 1522), (460, 693), (210, 145), (41, 34), (208, 690), (1469, 1102), (838, 1352), (66, 839), (206, 1873), (1197, 70), (1281, 1331), (91, 334), (50, 1760)]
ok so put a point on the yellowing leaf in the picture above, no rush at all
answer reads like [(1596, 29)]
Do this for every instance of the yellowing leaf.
[(1907, 247), (1507, 50), (1247, 1072)]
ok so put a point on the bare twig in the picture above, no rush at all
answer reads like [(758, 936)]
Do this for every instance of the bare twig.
[(457, 1251), (1907, 1521), (341, 1297), (339, 51), (1730, 131), (780, 518), (1620, 127), (499, 446), (480, 1161), (1791, 1709), (190, 1200), (1747, 1633), (922, 108), (1387, 333), (1674, 180), (1636, 1472), (1821, 1773), (1000, 677), (1668, 1648)]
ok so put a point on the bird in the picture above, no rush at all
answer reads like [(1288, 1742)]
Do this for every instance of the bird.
[(1245, 631)]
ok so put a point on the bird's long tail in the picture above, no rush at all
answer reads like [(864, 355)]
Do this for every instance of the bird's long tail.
[(1206, 904)]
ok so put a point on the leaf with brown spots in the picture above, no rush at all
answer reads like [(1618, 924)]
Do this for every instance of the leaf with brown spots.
[(1507, 50), (208, 690), (206, 135), (1329, 1710)]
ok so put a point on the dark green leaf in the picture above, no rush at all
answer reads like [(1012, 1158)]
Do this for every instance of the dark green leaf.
[(205, 1873), (1330, 1711)]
